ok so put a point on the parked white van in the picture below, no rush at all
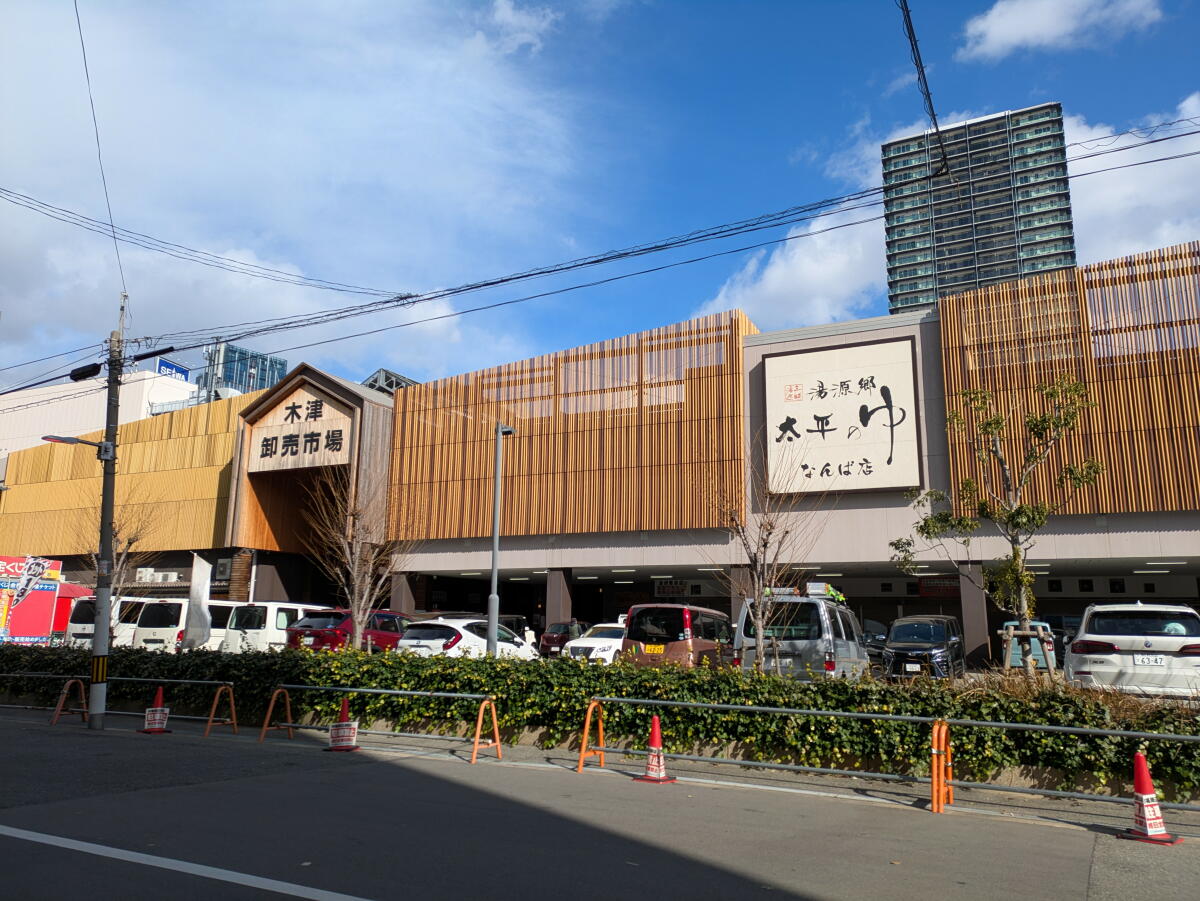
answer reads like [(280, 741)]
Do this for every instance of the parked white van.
[(262, 626), (82, 623), (161, 623), (812, 635)]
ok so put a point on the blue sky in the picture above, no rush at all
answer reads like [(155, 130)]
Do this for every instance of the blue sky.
[(418, 145)]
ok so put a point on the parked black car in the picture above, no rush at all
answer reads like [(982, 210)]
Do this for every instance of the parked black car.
[(924, 645), (874, 638)]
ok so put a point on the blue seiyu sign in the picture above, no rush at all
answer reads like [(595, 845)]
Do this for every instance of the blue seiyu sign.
[(174, 370)]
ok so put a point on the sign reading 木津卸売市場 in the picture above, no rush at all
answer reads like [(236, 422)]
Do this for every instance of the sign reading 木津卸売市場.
[(842, 419), (306, 429)]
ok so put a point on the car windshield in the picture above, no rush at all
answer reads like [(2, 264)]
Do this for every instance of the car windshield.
[(322, 620), (605, 632), (428, 632), (903, 632), (559, 628), (1144, 622), (84, 613), (656, 625), (789, 621), (248, 618), (160, 616)]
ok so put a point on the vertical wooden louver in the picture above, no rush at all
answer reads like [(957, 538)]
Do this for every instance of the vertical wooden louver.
[(628, 434), (1130, 329)]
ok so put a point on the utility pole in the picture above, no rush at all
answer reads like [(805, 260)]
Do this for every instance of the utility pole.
[(98, 689)]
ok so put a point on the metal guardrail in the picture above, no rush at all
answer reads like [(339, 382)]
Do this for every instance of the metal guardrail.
[(223, 688), (942, 779), (486, 703)]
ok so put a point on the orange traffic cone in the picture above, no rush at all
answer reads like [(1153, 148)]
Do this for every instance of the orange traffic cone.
[(156, 715), (656, 767), (343, 735), (1147, 816)]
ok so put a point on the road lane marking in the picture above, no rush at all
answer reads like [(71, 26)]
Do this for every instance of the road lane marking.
[(179, 866)]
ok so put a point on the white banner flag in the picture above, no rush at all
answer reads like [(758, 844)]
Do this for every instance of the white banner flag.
[(198, 626)]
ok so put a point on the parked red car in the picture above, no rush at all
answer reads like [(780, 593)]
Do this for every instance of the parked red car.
[(559, 634), (330, 629)]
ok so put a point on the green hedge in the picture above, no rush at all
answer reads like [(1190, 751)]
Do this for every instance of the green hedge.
[(551, 697)]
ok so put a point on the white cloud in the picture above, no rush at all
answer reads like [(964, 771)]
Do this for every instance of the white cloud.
[(402, 146), (521, 27), (900, 82), (1012, 25), (1136, 209), (817, 278)]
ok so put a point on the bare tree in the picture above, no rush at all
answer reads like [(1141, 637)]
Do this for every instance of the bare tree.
[(776, 533), (135, 529), (345, 534), (1001, 497)]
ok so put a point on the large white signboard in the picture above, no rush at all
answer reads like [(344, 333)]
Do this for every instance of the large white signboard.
[(842, 419)]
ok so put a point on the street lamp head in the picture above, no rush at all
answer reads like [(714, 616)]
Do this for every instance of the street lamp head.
[(60, 439), (507, 430)]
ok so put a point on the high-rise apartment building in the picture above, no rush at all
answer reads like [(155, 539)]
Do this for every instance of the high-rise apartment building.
[(1002, 212)]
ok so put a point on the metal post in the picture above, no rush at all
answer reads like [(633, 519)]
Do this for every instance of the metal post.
[(98, 690), (493, 613)]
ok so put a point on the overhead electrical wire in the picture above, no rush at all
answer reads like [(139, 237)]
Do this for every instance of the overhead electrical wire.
[(922, 83), (792, 215), (99, 158), (288, 323), (786, 238)]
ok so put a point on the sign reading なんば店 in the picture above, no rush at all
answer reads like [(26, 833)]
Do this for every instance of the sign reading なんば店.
[(307, 428), (842, 419)]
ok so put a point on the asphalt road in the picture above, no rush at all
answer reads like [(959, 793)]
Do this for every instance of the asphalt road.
[(115, 814)]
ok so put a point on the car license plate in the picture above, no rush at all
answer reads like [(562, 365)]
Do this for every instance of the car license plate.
[(655, 648), (1149, 660), (309, 639), (912, 667)]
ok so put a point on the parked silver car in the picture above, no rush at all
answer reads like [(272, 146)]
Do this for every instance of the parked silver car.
[(1151, 649), (809, 636)]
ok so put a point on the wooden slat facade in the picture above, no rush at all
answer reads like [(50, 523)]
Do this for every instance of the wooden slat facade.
[(173, 475), (625, 435), (1130, 329)]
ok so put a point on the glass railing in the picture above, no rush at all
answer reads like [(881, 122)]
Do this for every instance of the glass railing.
[(1027, 149), (1057, 187), (1039, 115)]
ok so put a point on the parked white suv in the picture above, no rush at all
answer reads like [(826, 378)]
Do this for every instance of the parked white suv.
[(1151, 649), (461, 638)]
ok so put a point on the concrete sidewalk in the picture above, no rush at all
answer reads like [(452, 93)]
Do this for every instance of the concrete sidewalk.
[(411, 817)]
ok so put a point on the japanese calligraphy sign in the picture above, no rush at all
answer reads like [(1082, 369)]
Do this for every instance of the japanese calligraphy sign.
[(842, 419), (307, 428)]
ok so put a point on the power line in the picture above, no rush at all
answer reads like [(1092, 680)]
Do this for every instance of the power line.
[(288, 323), (65, 353), (786, 238), (923, 84), (792, 215), (99, 158)]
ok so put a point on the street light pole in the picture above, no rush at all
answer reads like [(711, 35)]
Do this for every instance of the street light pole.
[(493, 616)]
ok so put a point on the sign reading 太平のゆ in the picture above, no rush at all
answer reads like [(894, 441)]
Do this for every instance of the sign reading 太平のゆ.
[(842, 419)]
